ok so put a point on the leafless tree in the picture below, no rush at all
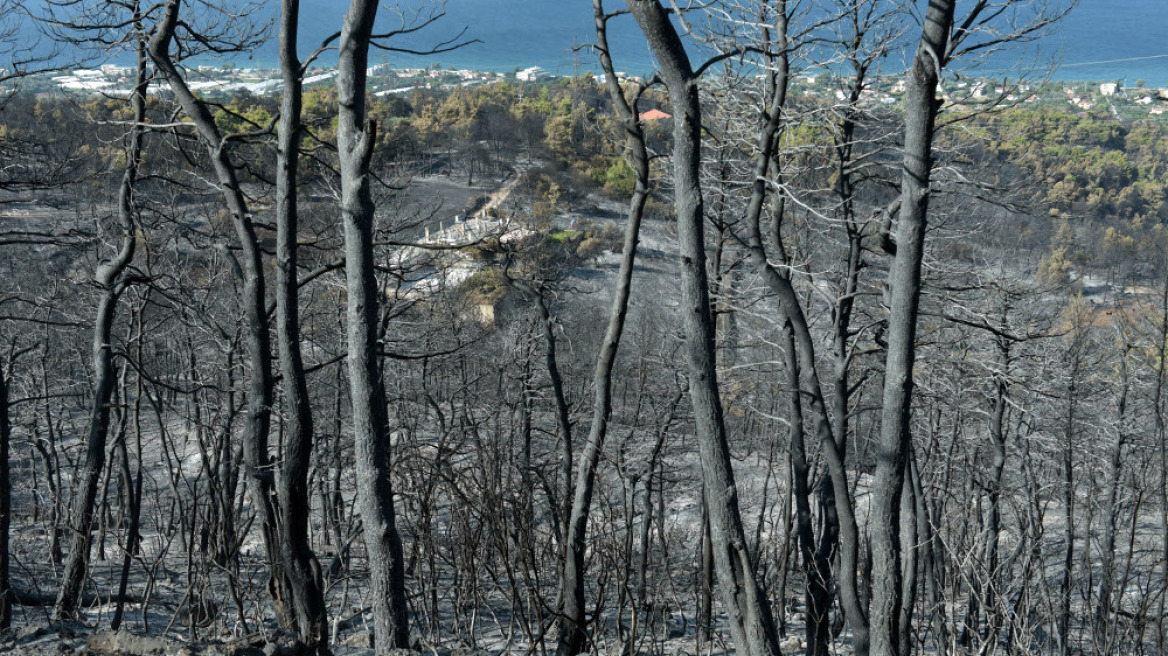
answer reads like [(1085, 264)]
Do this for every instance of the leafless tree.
[(356, 137), (751, 621), (302, 577), (572, 578), (111, 277)]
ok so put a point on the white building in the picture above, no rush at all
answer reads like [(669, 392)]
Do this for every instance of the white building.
[(113, 70), (531, 74)]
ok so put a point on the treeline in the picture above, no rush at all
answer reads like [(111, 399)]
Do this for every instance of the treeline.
[(472, 132), (1102, 183)]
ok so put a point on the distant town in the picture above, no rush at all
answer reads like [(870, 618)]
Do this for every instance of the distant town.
[(114, 79), (969, 94)]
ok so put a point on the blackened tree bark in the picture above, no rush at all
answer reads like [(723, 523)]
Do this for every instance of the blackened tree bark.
[(571, 619), (839, 526), (133, 486), (816, 563), (356, 135), (537, 293), (19, 60), (257, 460), (131, 483), (301, 582), (1110, 586), (5, 500), (749, 613), (259, 398), (111, 279), (1075, 365), (904, 282)]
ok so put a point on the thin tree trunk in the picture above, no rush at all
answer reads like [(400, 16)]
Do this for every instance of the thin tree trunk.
[(840, 526), (109, 279), (1104, 615), (563, 418), (356, 136), (47, 448), (1068, 472), (572, 577), (259, 398), (132, 483), (816, 562), (997, 469), (748, 611), (301, 584)]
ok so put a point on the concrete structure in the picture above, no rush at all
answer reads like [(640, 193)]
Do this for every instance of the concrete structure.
[(531, 74)]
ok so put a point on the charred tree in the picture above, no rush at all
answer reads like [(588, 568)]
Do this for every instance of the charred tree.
[(111, 280), (751, 622), (572, 576), (302, 584), (356, 136), (904, 293)]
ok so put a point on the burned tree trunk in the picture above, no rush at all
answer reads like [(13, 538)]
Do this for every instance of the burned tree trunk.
[(111, 281), (904, 283), (749, 613), (301, 583), (571, 622), (356, 136)]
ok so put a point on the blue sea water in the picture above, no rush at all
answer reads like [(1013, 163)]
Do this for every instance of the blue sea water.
[(1113, 40), (1099, 40), (510, 34)]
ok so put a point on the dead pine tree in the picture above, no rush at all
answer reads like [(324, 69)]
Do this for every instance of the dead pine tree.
[(356, 140), (111, 278), (293, 576), (749, 613), (301, 575), (572, 574)]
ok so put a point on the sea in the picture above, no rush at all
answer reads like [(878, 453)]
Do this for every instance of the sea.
[(1121, 40), (1112, 40)]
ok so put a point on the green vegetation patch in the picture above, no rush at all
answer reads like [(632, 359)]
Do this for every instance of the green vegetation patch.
[(565, 236), (486, 287)]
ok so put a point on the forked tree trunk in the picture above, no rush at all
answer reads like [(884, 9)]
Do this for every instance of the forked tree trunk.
[(572, 576), (356, 136), (840, 528), (748, 611), (904, 282), (259, 398), (301, 583), (109, 279)]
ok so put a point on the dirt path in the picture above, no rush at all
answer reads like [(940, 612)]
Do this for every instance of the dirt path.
[(500, 195)]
